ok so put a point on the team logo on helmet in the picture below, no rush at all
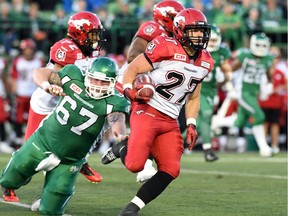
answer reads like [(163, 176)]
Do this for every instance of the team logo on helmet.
[(79, 23), (179, 19), (163, 10)]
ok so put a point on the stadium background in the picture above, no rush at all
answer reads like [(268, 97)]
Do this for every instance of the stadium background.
[(46, 22)]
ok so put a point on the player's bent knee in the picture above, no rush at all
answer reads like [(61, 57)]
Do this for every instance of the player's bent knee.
[(134, 166), (174, 171)]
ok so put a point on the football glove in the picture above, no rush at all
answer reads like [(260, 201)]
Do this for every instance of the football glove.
[(132, 94), (191, 136)]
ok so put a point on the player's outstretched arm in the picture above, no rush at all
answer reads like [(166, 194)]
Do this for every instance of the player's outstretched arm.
[(48, 80)]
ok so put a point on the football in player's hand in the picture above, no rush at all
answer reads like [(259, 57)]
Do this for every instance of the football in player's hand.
[(148, 88)]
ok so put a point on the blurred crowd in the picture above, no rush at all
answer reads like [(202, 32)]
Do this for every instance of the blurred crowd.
[(44, 22)]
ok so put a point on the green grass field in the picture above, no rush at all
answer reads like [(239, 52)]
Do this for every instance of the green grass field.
[(237, 184)]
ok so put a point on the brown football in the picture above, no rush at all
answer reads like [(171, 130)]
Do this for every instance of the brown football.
[(148, 88)]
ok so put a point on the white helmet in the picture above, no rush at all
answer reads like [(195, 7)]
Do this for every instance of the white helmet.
[(259, 44), (103, 69), (215, 39)]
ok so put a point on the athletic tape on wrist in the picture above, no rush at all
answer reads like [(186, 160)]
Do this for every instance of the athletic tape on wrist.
[(127, 85), (191, 121), (44, 85)]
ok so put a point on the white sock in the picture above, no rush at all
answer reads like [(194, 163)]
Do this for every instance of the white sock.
[(148, 163), (241, 144), (259, 135), (137, 201), (206, 146), (223, 142)]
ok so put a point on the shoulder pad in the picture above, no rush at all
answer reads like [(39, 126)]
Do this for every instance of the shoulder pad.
[(164, 47), (71, 72), (205, 60), (65, 52), (150, 30)]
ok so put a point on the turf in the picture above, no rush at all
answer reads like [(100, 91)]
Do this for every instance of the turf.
[(237, 184)]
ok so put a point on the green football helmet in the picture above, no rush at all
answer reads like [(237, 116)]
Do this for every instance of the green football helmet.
[(259, 44), (102, 69), (215, 39)]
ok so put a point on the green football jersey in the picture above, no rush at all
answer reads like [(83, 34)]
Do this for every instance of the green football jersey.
[(78, 120), (254, 70), (209, 83)]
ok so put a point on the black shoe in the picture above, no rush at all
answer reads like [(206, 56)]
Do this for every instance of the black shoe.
[(210, 156), (128, 213), (113, 152), (130, 210)]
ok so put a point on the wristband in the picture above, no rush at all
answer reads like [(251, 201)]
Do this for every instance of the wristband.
[(44, 85), (191, 121), (127, 85)]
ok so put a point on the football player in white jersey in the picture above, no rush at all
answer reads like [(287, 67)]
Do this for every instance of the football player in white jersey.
[(81, 48), (177, 66), (163, 15), (22, 86)]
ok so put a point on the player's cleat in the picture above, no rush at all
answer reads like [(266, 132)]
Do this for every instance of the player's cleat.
[(9, 195), (36, 205), (5, 148), (90, 174), (113, 152), (147, 172), (128, 213), (266, 152), (210, 156), (130, 210), (275, 150)]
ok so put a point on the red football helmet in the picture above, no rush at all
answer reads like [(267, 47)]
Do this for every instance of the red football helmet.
[(80, 25), (186, 23), (164, 13), (27, 43)]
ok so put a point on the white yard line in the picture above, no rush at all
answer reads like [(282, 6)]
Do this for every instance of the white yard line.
[(234, 174), (184, 170), (16, 204)]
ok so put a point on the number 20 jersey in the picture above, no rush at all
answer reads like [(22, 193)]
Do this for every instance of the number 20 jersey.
[(175, 75)]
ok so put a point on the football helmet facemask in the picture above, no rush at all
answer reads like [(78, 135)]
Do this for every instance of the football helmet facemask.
[(164, 13), (215, 39), (259, 44), (85, 29), (186, 23), (103, 69)]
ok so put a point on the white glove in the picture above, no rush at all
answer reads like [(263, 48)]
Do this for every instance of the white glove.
[(231, 91), (265, 91), (48, 163)]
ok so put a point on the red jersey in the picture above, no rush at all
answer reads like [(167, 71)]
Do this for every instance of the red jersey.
[(63, 52), (275, 100), (149, 30)]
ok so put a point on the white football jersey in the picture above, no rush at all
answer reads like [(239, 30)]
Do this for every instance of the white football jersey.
[(174, 75)]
